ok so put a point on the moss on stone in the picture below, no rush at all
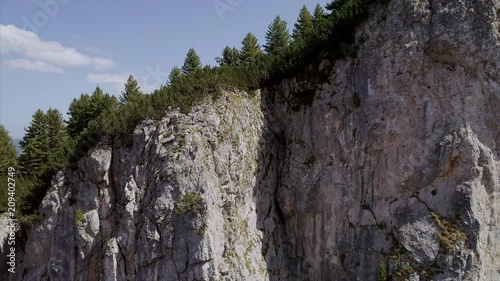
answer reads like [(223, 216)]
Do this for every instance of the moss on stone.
[(450, 236), (403, 273), (190, 203), (79, 216), (30, 219), (310, 161), (383, 272)]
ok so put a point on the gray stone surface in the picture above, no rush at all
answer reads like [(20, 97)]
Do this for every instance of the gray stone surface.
[(180, 203), (266, 188), (360, 181)]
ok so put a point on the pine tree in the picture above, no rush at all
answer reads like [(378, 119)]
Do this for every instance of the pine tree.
[(175, 75), (250, 50), (45, 151), (192, 62), (8, 151), (79, 115), (277, 37), (336, 5), (318, 14), (57, 137), (304, 26), (100, 101), (56, 130), (131, 88), (43, 143), (35, 145), (322, 24), (345, 11), (230, 57)]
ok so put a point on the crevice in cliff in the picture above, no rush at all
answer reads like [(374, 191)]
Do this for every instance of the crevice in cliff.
[(179, 274), (124, 258)]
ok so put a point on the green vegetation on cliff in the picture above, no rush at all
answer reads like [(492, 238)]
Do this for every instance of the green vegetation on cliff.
[(50, 144)]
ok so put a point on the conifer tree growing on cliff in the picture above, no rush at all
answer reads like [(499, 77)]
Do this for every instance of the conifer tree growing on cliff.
[(320, 23), (57, 136), (250, 51), (346, 10), (277, 37), (230, 57), (87, 108), (34, 144), (318, 14), (192, 62), (44, 138), (175, 75), (56, 130), (131, 89), (304, 26)]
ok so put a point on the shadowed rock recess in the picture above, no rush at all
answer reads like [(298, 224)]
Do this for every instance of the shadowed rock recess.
[(382, 165)]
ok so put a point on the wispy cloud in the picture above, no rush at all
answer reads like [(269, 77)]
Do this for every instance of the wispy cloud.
[(26, 43), (33, 65)]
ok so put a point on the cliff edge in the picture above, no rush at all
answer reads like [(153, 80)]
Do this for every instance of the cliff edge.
[(381, 165)]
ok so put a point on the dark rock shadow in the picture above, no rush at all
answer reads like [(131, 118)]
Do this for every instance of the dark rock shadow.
[(270, 219)]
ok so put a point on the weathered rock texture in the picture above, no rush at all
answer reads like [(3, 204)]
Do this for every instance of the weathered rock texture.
[(396, 161), (179, 204), (393, 166)]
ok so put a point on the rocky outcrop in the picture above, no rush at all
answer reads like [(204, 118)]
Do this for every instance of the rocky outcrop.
[(395, 163), (179, 203), (382, 164)]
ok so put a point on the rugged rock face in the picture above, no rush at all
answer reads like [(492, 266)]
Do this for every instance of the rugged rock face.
[(179, 204), (396, 161), (392, 169)]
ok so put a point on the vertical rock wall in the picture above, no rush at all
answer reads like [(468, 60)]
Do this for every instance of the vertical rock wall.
[(383, 163), (394, 166)]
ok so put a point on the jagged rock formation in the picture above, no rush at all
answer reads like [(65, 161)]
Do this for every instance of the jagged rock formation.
[(393, 166), (178, 204)]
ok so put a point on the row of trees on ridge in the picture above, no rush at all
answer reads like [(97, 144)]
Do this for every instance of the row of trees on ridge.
[(51, 142)]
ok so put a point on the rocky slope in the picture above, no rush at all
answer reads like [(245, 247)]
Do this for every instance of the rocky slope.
[(391, 169)]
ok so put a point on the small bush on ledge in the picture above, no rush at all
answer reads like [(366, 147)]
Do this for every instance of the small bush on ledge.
[(190, 203), (451, 235)]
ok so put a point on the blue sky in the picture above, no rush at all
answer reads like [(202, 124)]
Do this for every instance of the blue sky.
[(51, 51)]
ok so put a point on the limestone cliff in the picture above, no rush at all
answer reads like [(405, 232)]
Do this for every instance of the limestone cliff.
[(382, 163)]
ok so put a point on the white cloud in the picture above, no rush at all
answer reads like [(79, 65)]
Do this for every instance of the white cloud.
[(29, 45), (33, 65)]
